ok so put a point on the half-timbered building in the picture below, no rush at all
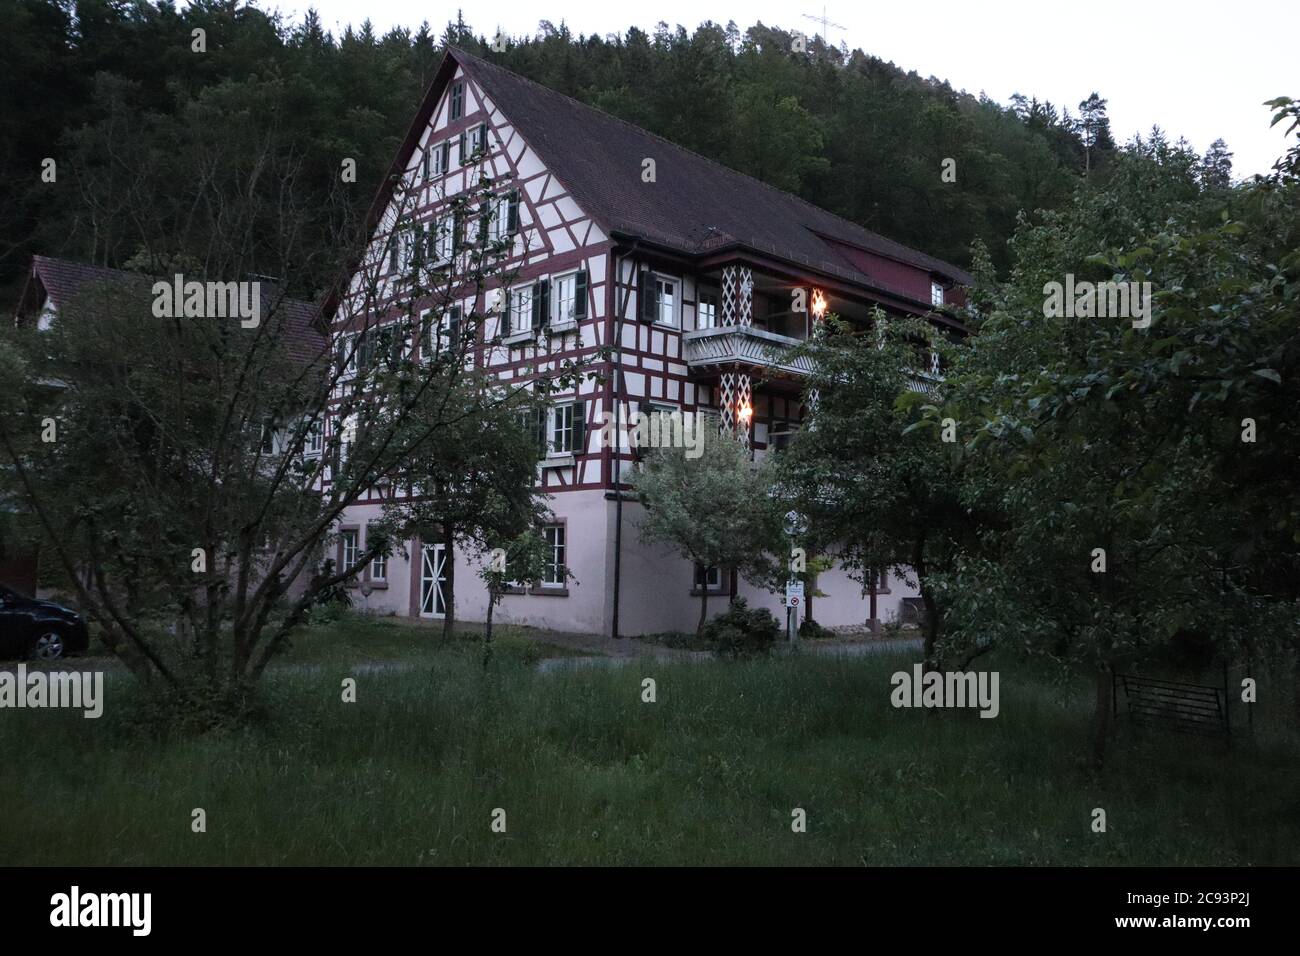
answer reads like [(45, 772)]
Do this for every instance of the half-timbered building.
[(687, 272)]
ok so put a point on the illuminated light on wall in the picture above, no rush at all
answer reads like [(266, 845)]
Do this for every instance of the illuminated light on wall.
[(818, 304)]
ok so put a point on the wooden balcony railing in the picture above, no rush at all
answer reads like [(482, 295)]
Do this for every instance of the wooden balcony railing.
[(744, 345)]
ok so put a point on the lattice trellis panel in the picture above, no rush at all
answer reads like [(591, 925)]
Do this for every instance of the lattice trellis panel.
[(737, 296), (729, 282), (736, 392), (727, 402), (745, 301)]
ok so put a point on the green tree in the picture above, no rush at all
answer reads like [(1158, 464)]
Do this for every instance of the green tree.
[(1135, 510), (879, 486), (519, 561), (714, 509)]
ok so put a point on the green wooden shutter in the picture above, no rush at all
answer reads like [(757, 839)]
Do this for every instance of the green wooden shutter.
[(457, 230), (579, 427), (647, 295), (365, 349), (483, 138), (580, 295), (539, 428), (460, 149), (446, 154), (541, 303), (453, 329), (512, 212)]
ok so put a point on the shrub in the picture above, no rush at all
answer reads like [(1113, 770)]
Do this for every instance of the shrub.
[(742, 631), (810, 630)]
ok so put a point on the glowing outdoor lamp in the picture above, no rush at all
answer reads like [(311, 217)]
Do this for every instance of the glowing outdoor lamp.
[(745, 412), (818, 304)]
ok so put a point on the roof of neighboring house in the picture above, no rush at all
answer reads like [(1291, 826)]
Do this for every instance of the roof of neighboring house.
[(695, 206), (62, 279)]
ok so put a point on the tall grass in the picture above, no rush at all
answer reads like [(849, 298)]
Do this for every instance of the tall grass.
[(589, 774)]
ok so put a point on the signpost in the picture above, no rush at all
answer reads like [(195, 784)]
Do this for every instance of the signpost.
[(796, 525)]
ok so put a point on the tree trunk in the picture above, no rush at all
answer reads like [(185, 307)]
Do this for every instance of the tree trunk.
[(449, 588), (487, 630), (1295, 689), (808, 598), (1101, 714), (704, 608), (932, 620), (932, 626)]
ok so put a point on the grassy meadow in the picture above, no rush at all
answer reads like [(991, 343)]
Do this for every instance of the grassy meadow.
[(589, 774)]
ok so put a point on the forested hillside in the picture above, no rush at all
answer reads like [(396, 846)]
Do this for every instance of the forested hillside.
[(113, 92)]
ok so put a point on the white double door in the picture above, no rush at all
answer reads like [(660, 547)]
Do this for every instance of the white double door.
[(433, 599)]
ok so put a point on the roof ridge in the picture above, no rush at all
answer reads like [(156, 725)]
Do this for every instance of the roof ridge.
[(57, 261), (477, 60)]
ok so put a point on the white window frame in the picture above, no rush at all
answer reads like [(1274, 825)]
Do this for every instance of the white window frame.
[(936, 293), (708, 575), (499, 224), (711, 293), (557, 546), (439, 334), (557, 318), (442, 240), (559, 422), (675, 309), (379, 561), (347, 436), (313, 442), (270, 442), (350, 541), (349, 350), (521, 304)]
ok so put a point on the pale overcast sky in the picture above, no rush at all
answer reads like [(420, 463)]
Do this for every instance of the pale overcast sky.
[(1200, 69)]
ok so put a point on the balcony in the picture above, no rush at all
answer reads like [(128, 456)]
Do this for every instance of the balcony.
[(716, 349), (923, 382)]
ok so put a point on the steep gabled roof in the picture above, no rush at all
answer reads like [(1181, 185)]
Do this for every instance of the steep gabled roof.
[(695, 206), (62, 279)]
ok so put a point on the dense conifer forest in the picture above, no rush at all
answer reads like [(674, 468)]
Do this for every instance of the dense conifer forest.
[(107, 87)]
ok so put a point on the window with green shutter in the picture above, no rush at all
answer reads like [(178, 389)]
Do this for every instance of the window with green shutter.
[(647, 296), (579, 444), (580, 295), (541, 303), (512, 212)]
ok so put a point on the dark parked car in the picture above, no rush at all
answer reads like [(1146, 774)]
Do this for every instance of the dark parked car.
[(41, 629)]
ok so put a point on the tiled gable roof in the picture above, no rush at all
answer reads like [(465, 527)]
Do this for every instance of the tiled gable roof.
[(696, 205), (62, 279)]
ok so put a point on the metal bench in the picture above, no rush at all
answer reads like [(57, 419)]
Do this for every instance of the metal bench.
[(1173, 705)]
